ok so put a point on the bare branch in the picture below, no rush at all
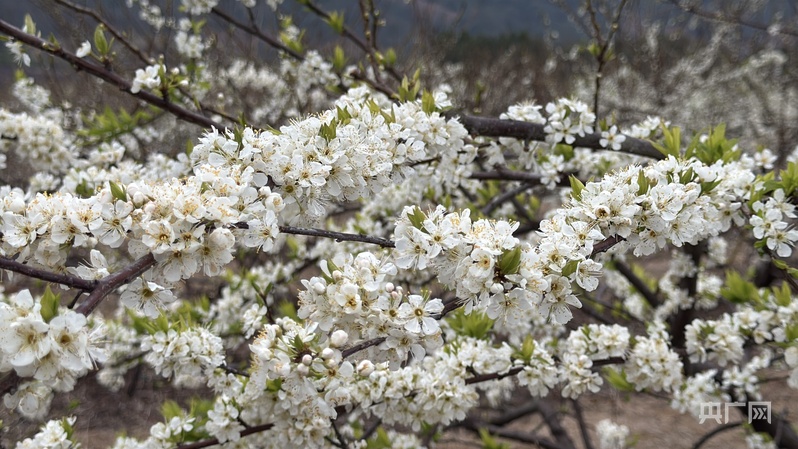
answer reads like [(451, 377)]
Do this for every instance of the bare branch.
[(107, 76)]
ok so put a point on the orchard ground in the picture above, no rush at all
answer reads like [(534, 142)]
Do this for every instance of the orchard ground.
[(653, 424)]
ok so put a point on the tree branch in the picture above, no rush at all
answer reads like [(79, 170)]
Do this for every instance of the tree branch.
[(338, 236), (257, 33), (112, 281), (214, 441), (37, 273), (107, 76), (361, 346), (494, 127)]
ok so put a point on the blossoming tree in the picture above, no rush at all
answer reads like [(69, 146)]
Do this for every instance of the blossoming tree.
[(386, 265)]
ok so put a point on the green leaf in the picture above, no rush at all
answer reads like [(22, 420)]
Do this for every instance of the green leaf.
[(642, 183), (576, 187), (510, 261), (49, 302), (336, 21), (618, 379), (527, 348), (30, 25), (570, 268), (672, 140), (171, 409), (738, 290), (390, 57), (428, 102), (328, 131), (417, 218), (100, 42), (339, 59), (476, 325), (118, 191), (380, 440), (288, 310), (488, 442), (782, 295)]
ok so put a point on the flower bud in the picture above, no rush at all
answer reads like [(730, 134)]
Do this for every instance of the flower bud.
[(307, 359), (327, 353), (303, 370), (338, 338), (389, 287), (318, 288), (365, 368)]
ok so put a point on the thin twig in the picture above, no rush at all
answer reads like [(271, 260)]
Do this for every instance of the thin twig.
[(254, 31), (107, 76)]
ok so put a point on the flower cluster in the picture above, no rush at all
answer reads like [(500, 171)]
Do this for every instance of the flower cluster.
[(770, 225), (652, 364), (189, 356), (148, 78), (38, 342), (355, 294), (567, 119), (55, 434), (349, 153)]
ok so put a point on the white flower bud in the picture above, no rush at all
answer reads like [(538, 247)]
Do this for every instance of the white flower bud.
[(338, 338), (389, 287), (496, 288), (318, 288), (365, 368), (327, 353), (303, 370), (307, 359), (337, 275), (139, 198)]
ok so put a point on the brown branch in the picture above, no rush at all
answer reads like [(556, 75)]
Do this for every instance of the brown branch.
[(214, 441), (9, 383), (37, 273), (719, 17), (494, 127), (475, 426), (504, 174), (118, 35), (550, 416), (582, 424), (642, 288), (107, 76), (112, 281), (361, 346), (605, 245), (338, 236), (254, 31), (493, 376)]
